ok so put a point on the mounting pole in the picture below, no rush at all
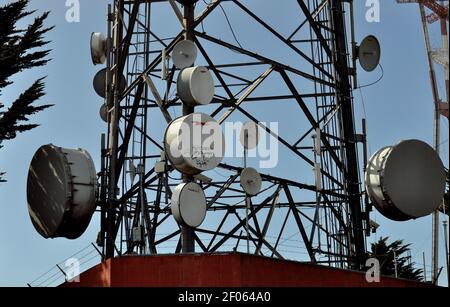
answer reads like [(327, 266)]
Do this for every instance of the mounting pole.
[(444, 225), (188, 233), (247, 197), (395, 265), (354, 46), (436, 135), (444, 34), (113, 103), (424, 267), (344, 96)]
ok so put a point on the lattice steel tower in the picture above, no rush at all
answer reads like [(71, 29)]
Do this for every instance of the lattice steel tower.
[(316, 209)]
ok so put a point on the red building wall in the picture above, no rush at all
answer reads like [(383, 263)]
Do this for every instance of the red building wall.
[(222, 270)]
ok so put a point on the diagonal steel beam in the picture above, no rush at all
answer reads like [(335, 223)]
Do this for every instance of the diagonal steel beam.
[(285, 143), (129, 129), (301, 228), (284, 40), (218, 230), (314, 14), (256, 233), (240, 225), (247, 93), (214, 69), (158, 99), (127, 40), (311, 119), (268, 219), (222, 190), (316, 30), (263, 59)]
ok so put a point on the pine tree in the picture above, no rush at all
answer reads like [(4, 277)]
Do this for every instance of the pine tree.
[(395, 254), (20, 49)]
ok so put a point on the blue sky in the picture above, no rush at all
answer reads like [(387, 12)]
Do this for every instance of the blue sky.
[(398, 107)]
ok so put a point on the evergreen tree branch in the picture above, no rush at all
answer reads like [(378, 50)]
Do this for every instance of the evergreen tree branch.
[(19, 51), (20, 110)]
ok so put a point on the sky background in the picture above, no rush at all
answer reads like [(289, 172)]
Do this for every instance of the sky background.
[(398, 107)]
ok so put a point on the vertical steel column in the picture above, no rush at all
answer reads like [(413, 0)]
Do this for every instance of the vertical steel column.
[(344, 95), (114, 127), (188, 233), (436, 135), (444, 34)]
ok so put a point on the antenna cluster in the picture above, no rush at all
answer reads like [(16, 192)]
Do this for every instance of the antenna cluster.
[(325, 207)]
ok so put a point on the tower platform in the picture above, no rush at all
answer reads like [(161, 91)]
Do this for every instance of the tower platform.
[(222, 270)]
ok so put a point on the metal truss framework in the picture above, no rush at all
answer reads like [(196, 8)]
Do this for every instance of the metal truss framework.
[(334, 233)]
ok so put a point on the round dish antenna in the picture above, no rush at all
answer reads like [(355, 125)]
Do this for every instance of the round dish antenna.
[(98, 48), (405, 181), (184, 54), (189, 204), (194, 143), (195, 86), (369, 53), (61, 189), (104, 113), (251, 181), (249, 135), (100, 83)]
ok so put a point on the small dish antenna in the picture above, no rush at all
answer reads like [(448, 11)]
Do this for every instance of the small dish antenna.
[(104, 113), (100, 83), (369, 53), (98, 48), (184, 54), (249, 135), (251, 181), (189, 204)]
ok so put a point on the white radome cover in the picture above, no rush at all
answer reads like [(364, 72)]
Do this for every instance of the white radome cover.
[(251, 181), (184, 54), (406, 181), (61, 190), (192, 159), (189, 204), (195, 86), (252, 130), (98, 48)]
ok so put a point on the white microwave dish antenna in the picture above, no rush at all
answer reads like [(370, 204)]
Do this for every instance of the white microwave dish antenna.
[(184, 54), (251, 181), (369, 53), (406, 181), (189, 204), (61, 189)]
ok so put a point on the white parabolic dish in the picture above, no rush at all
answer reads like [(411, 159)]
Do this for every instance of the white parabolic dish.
[(249, 135), (189, 204), (184, 54), (98, 48), (251, 181), (194, 143), (195, 86), (61, 189), (369, 53), (406, 181)]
